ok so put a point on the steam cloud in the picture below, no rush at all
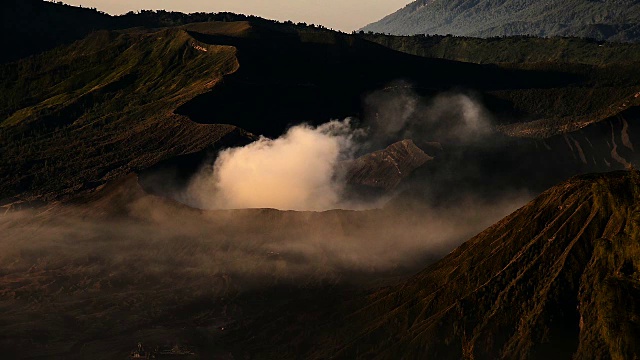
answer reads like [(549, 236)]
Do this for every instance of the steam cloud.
[(297, 171), (301, 169), (156, 240), (136, 256), (397, 112)]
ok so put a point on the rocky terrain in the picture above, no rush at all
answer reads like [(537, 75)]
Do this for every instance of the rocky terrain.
[(106, 127), (386, 168), (490, 297)]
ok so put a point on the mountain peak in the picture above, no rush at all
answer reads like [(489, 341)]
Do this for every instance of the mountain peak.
[(602, 20)]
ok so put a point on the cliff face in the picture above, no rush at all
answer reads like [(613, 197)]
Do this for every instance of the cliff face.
[(386, 168)]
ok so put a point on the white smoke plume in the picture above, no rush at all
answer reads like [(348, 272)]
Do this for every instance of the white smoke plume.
[(397, 112), (301, 169), (297, 171)]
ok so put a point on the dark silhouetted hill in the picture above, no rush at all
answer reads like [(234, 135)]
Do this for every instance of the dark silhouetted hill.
[(120, 101), (33, 26), (557, 279)]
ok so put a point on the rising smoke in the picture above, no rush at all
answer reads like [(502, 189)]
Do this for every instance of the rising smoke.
[(397, 112), (150, 251), (297, 171), (301, 169)]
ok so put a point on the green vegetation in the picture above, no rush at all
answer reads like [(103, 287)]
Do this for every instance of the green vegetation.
[(516, 49), (65, 114), (601, 20), (81, 114), (102, 107)]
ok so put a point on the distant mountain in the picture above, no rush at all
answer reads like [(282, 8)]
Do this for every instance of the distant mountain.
[(617, 20)]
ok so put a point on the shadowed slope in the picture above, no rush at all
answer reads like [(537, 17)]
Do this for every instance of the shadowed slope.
[(386, 168), (555, 279), (118, 102), (558, 278), (288, 76), (92, 277), (33, 26), (103, 107)]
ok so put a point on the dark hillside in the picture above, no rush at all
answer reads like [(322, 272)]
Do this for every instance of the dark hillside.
[(272, 77), (490, 296), (610, 71), (31, 27), (288, 77), (514, 50), (557, 279), (101, 108), (94, 95)]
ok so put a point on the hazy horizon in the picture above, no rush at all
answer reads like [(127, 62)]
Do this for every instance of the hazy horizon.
[(339, 15)]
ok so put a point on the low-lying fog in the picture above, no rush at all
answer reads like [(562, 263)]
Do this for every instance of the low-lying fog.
[(128, 259), (128, 262), (98, 277), (159, 239)]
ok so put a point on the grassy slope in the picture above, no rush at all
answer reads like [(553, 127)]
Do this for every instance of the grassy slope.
[(609, 91), (605, 92), (31, 27), (102, 107), (65, 114)]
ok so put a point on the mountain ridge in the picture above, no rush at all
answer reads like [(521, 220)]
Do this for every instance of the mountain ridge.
[(601, 20), (78, 90)]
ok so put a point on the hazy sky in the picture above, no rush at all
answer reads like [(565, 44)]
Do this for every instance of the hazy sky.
[(345, 15)]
